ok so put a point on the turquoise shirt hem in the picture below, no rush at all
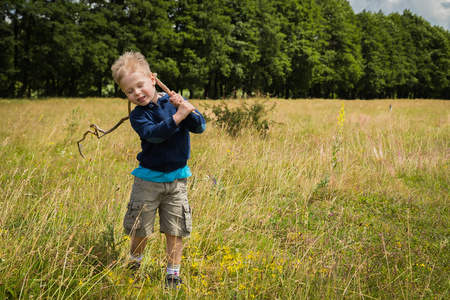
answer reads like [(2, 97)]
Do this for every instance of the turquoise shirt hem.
[(155, 176)]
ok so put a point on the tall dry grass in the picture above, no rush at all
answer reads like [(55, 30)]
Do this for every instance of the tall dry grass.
[(342, 199)]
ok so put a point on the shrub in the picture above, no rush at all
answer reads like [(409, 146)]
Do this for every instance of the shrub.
[(246, 116)]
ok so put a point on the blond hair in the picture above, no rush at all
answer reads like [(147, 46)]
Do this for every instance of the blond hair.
[(128, 63)]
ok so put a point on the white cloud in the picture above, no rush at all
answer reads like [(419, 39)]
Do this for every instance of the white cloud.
[(437, 12)]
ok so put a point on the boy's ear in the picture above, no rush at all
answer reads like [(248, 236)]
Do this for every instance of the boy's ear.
[(153, 78)]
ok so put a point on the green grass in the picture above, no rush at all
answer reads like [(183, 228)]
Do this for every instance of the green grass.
[(323, 207)]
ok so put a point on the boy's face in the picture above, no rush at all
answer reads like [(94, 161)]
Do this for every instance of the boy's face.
[(139, 88)]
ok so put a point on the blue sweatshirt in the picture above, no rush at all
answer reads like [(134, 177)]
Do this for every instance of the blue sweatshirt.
[(165, 146)]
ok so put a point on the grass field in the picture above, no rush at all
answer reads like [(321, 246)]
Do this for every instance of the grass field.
[(341, 200)]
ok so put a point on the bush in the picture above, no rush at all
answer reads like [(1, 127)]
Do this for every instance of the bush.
[(246, 116)]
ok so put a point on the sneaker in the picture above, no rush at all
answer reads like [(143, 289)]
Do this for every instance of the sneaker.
[(173, 281), (133, 266)]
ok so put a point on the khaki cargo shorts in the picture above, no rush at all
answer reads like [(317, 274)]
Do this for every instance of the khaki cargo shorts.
[(168, 198)]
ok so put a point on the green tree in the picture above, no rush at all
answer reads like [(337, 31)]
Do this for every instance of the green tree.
[(61, 49), (374, 80), (204, 28), (431, 54), (26, 21), (187, 48), (243, 41), (342, 55), (152, 28), (440, 58), (98, 24), (9, 23), (302, 24), (402, 62), (273, 64), (285, 48)]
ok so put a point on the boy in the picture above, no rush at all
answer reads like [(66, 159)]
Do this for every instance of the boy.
[(163, 123)]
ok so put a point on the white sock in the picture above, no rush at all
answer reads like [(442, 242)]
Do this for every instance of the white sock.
[(173, 269)]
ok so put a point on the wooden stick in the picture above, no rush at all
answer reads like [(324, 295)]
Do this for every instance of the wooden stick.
[(166, 89), (99, 133), (96, 131)]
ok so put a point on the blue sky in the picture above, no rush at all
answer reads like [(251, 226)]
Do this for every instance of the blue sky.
[(437, 12)]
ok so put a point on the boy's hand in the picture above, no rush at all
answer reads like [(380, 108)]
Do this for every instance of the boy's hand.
[(184, 108), (175, 99)]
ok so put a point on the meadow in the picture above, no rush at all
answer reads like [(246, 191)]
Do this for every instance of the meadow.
[(340, 200)]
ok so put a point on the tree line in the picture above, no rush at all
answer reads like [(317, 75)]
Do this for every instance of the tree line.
[(222, 48)]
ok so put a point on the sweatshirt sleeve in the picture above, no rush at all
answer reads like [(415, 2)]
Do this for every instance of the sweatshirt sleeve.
[(195, 123), (149, 129)]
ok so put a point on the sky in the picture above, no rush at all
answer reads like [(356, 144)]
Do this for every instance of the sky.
[(437, 12)]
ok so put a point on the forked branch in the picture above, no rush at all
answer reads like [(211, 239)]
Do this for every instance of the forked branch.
[(96, 131), (99, 133)]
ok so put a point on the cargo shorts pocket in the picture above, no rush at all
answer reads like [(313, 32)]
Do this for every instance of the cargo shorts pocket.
[(133, 219), (187, 218)]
